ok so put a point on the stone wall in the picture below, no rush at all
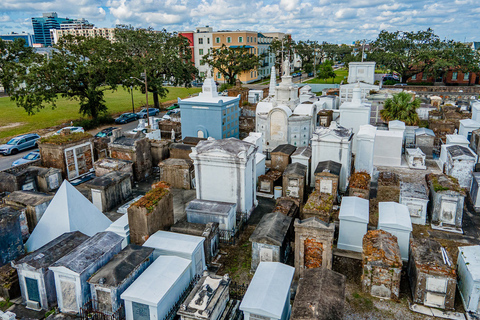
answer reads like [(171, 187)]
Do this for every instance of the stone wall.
[(151, 213), (159, 150), (178, 173), (139, 154), (11, 243)]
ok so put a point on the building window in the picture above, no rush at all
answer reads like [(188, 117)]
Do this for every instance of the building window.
[(229, 40), (219, 75), (200, 51), (414, 77), (454, 76), (217, 39), (255, 39), (466, 76), (200, 40), (208, 40), (251, 74), (202, 74), (240, 39), (202, 63)]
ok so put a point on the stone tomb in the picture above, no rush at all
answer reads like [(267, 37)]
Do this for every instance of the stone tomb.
[(303, 155), (388, 148), (209, 231), (271, 239), (110, 281), (72, 271), (205, 211), (35, 204), (365, 148), (467, 126), (460, 164), (11, 239), (415, 158), (468, 267), (134, 148), (110, 190), (181, 150), (178, 173), (395, 218), (359, 185), (415, 197), (9, 286), (207, 300), (281, 156), (288, 206), (320, 296), (268, 295), (474, 190), (354, 217), (36, 279), (382, 265), (107, 165), (432, 274), (425, 140), (327, 174), (268, 181), (294, 181), (121, 227), (447, 199), (153, 212), (313, 244)]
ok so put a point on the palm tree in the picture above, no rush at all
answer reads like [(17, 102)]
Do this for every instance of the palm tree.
[(401, 107)]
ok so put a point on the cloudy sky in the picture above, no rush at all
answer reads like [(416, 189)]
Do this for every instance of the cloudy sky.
[(339, 21)]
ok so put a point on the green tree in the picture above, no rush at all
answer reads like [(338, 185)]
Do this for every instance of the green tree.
[(282, 49), (401, 107), (307, 50), (166, 57), (231, 61), (15, 59), (80, 69), (325, 71)]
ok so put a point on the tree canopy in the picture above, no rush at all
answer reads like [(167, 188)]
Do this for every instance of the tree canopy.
[(282, 48), (231, 61), (325, 71), (401, 107)]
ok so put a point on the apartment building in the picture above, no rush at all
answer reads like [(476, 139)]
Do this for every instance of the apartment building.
[(107, 33)]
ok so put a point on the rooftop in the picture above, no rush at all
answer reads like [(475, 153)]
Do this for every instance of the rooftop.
[(428, 257), (413, 190), (121, 266), (285, 148), (394, 215), (381, 248), (217, 207), (459, 151), (296, 168), (303, 151), (272, 229), (174, 242), (471, 256), (354, 209), (231, 146), (28, 198), (329, 167)]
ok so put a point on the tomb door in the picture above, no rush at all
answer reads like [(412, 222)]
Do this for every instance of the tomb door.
[(448, 211), (415, 210), (97, 199), (436, 289), (69, 295), (32, 289), (140, 311), (313, 253), (266, 255), (293, 188)]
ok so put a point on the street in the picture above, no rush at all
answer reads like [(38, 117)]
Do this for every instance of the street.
[(6, 161)]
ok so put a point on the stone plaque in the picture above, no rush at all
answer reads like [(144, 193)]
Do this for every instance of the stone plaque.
[(266, 255), (326, 186)]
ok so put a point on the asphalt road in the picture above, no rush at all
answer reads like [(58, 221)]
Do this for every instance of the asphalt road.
[(6, 161)]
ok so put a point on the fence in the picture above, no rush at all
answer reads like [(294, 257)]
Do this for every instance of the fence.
[(91, 311), (173, 310), (319, 87)]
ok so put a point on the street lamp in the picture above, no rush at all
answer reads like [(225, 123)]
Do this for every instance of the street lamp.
[(133, 107), (146, 94)]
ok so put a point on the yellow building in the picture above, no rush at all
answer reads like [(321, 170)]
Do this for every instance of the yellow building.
[(237, 39)]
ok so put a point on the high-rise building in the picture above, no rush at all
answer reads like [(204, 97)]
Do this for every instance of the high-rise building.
[(12, 36), (51, 21)]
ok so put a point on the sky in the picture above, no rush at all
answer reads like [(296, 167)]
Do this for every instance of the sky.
[(339, 21)]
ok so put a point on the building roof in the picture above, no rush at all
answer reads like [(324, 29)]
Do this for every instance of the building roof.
[(121, 266), (457, 139), (153, 285), (367, 131), (181, 146), (68, 211), (424, 131), (414, 152), (211, 207), (272, 229), (53, 250), (303, 152), (269, 290), (354, 209), (394, 215), (396, 125), (428, 257), (470, 123), (320, 295), (28, 198), (413, 190), (471, 256), (166, 242), (232, 146), (109, 179), (173, 162), (89, 252), (335, 130), (285, 149), (304, 109), (295, 168), (329, 167), (460, 151)]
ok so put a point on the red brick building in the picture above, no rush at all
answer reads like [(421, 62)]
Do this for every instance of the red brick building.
[(451, 77)]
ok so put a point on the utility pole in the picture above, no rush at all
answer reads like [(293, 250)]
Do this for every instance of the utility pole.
[(133, 106), (146, 98)]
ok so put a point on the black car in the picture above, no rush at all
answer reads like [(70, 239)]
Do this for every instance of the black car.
[(126, 118), (107, 132)]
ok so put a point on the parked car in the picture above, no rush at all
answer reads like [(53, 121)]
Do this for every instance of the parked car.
[(173, 106), (196, 83), (310, 74), (20, 143), (151, 112), (107, 132), (169, 112), (399, 84), (32, 156), (126, 118), (71, 129)]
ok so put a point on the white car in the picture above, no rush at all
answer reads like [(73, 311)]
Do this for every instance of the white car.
[(72, 130)]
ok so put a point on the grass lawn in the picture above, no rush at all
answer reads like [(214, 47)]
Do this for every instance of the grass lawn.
[(340, 75), (15, 120)]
